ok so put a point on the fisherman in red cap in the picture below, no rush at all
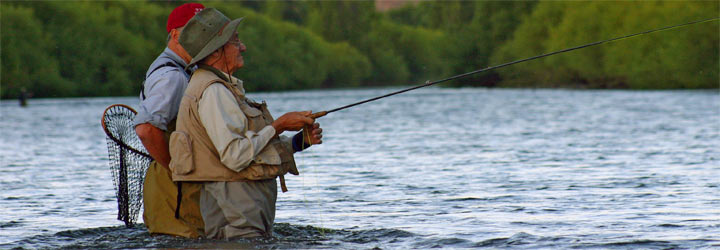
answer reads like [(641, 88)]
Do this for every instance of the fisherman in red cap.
[(170, 208)]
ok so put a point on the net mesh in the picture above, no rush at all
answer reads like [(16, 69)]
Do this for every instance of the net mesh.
[(128, 160)]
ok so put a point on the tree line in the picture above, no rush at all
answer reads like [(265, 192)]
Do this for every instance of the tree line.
[(64, 49)]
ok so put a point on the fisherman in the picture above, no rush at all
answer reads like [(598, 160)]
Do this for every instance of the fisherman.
[(228, 142), (23, 96), (169, 208)]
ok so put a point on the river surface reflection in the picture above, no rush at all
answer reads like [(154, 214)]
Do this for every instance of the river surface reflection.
[(460, 168)]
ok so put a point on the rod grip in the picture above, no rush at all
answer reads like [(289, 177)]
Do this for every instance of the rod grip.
[(318, 114), (307, 140)]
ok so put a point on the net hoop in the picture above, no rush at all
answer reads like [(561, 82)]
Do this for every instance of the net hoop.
[(112, 137)]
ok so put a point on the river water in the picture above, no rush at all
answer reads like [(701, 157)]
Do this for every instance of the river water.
[(452, 168)]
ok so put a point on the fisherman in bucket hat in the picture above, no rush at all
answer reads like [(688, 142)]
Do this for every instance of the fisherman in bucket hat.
[(230, 144)]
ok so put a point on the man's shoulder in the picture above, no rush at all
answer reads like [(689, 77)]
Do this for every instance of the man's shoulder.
[(164, 63), (200, 81), (163, 67), (166, 79), (202, 76)]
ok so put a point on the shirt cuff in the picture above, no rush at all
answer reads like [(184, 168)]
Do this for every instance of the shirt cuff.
[(298, 142), (155, 120)]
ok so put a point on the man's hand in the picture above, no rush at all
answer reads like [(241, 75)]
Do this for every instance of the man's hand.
[(155, 142), (315, 134), (292, 121)]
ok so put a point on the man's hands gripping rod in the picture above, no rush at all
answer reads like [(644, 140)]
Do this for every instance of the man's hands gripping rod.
[(294, 121)]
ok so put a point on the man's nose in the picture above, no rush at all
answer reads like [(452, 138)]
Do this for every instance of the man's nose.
[(242, 47)]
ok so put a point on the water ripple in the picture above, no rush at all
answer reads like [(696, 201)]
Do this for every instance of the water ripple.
[(456, 168)]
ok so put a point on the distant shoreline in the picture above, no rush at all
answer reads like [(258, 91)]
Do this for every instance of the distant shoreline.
[(391, 88)]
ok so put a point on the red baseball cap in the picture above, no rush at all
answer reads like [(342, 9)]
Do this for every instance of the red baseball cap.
[(182, 14)]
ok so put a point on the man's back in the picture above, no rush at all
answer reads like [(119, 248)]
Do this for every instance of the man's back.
[(164, 85), (170, 208)]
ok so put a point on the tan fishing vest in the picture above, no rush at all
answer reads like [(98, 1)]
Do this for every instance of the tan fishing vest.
[(194, 157)]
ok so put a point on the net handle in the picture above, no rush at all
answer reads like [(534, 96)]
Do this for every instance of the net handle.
[(116, 140)]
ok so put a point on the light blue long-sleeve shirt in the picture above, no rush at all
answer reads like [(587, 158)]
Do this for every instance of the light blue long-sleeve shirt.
[(163, 90)]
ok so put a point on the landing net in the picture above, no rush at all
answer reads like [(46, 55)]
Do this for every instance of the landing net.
[(128, 160)]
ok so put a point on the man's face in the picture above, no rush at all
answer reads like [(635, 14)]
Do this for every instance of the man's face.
[(175, 46), (234, 49)]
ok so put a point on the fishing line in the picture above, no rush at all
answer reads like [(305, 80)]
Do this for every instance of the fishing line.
[(429, 83)]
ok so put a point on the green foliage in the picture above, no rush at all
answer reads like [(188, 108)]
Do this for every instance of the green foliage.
[(104, 48), (682, 58), (420, 48), (347, 67), (24, 43), (281, 55), (449, 16), (93, 45), (341, 20), (291, 11), (473, 30), (688, 57), (59, 48), (399, 53), (388, 65)]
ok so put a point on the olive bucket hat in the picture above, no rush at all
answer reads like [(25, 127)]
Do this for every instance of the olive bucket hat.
[(206, 32)]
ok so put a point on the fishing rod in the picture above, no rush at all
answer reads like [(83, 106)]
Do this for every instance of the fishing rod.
[(429, 83)]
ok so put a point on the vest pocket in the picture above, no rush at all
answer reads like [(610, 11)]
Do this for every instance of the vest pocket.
[(181, 156), (269, 155)]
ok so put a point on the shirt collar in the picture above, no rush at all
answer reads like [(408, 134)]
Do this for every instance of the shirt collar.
[(176, 58), (222, 75)]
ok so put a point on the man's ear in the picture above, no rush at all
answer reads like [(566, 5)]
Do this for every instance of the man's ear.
[(175, 34)]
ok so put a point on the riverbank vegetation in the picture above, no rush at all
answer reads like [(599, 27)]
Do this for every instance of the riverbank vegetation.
[(60, 48)]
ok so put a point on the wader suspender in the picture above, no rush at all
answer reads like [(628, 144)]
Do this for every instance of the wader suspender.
[(179, 199), (170, 63)]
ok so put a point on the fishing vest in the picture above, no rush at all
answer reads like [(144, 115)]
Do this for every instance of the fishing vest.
[(194, 157)]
